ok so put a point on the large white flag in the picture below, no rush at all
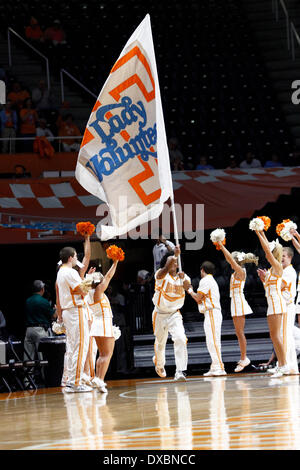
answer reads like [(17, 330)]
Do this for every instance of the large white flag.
[(124, 158)]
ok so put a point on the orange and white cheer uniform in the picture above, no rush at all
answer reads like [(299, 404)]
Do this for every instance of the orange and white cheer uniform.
[(272, 285), (298, 295), (168, 298), (288, 290), (239, 305), (213, 318), (75, 318), (102, 324)]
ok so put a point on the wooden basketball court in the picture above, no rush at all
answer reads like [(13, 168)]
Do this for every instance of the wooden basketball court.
[(248, 411)]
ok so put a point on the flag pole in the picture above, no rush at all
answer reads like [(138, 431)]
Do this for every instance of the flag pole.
[(175, 227)]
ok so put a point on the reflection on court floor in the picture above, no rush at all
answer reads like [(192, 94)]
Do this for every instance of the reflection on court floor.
[(216, 413)]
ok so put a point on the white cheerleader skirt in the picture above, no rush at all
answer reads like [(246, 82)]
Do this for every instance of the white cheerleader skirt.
[(276, 305), (239, 306), (102, 326)]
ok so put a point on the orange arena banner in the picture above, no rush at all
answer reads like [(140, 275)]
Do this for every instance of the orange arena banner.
[(40, 209)]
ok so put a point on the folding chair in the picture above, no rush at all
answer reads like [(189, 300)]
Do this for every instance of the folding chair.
[(4, 371), (21, 370), (35, 365)]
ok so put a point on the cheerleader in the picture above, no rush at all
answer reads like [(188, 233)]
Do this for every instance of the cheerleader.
[(276, 303), (168, 298), (296, 242), (239, 306), (81, 268), (102, 326)]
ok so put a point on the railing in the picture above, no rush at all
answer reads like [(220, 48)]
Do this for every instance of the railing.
[(11, 31), (294, 36), (291, 32), (275, 9), (63, 71)]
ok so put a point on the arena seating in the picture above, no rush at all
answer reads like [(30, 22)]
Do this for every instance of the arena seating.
[(217, 96)]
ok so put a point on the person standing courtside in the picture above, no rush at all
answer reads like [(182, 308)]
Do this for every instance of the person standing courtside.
[(208, 300), (39, 315), (71, 291)]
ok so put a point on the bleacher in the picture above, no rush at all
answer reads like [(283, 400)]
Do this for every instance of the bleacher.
[(259, 345)]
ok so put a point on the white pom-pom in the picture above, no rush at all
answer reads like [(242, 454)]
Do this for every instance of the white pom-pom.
[(256, 224), (218, 235), (241, 256), (58, 328), (116, 332), (273, 244), (94, 277), (285, 232)]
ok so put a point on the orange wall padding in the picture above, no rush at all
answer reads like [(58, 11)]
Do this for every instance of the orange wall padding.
[(36, 165)]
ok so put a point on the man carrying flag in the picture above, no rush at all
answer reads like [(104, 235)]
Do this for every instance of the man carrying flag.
[(168, 298), (124, 157)]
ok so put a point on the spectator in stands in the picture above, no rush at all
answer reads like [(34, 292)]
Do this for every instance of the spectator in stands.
[(161, 247), (122, 360), (115, 297), (143, 276), (232, 163), (21, 172), (39, 315), (189, 164), (68, 129), (176, 157), (18, 95), (55, 34), (138, 297), (203, 165), (43, 131), (294, 157), (42, 97), (8, 126), (273, 162), (250, 162), (33, 31), (29, 118)]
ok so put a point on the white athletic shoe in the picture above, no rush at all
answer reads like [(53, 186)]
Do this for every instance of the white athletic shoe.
[(219, 372), (99, 384), (78, 389), (94, 383), (283, 370), (179, 376), (242, 364), (215, 373), (159, 370), (86, 379)]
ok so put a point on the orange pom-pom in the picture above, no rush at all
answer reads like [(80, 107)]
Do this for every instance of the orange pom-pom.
[(85, 228), (115, 253), (266, 220), (218, 243), (279, 227)]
